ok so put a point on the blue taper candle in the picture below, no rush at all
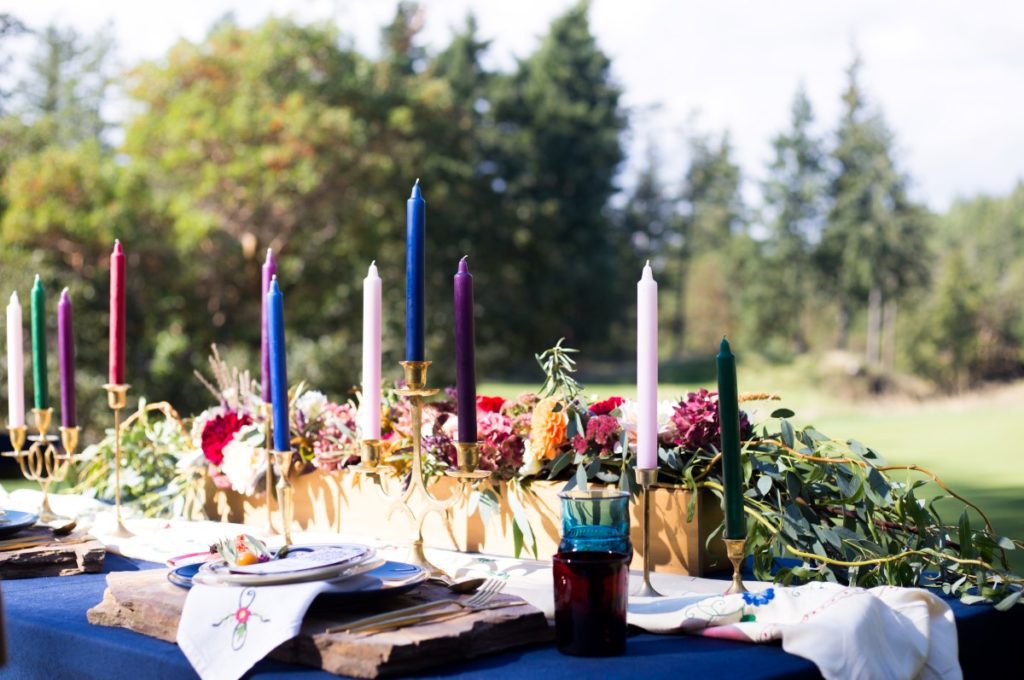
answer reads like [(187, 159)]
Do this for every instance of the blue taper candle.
[(415, 264), (278, 367)]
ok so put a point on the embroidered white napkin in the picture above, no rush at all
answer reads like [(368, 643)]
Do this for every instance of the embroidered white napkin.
[(225, 630), (884, 633)]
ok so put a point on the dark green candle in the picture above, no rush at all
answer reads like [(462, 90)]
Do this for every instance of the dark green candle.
[(729, 419), (42, 395)]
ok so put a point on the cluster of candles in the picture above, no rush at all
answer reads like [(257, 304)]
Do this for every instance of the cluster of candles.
[(16, 360)]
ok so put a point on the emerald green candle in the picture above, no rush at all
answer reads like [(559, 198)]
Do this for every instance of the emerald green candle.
[(729, 423), (42, 396)]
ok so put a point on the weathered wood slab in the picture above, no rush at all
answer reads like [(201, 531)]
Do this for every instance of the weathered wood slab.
[(76, 554), (146, 603)]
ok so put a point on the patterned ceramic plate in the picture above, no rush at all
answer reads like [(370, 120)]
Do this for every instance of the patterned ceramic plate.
[(320, 562), (13, 521)]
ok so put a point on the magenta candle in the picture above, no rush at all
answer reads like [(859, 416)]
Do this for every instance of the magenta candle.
[(268, 273), (66, 357), (465, 353)]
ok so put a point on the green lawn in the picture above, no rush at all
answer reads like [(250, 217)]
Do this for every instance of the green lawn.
[(969, 441)]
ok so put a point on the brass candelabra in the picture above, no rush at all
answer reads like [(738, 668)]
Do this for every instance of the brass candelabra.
[(285, 500), (415, 499), (646, 478), (42, 462), (117, 399), (268, 416)]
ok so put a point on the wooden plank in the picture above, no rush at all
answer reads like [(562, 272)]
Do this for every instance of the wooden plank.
[(146, 603), (75, 554)]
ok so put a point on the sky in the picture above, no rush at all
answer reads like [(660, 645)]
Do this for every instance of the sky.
[(947, 75)]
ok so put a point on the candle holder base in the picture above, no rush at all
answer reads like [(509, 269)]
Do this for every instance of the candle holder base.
[(121, 531), (735, 549), (646, 479)]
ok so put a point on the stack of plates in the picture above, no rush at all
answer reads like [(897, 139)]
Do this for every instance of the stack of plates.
[(353, 571)]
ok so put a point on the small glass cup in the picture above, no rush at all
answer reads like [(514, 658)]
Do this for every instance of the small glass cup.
[(595, 520), (591, 594)]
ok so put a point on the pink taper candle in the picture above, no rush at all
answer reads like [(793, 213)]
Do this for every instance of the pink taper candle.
[(369, 411), (15, 365), (647, 370)]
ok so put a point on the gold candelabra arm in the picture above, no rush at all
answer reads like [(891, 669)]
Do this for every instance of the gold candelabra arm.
[(735, 550), (646, 478)]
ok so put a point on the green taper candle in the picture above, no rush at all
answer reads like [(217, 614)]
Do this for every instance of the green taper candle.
[(729, 421), (39, 386)]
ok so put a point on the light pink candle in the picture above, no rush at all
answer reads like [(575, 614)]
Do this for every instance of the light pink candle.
[(15, 365), (647, 370), (369, 413)]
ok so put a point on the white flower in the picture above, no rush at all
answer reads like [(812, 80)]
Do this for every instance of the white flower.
[(242, 464), (531, 463), (311, 404), (629, 415)]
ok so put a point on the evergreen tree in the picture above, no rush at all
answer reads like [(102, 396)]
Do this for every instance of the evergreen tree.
[(794, 211), (67, 83), (560, 124), (873, 247)]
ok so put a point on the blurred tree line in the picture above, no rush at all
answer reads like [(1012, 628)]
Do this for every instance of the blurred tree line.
[(285, 136)]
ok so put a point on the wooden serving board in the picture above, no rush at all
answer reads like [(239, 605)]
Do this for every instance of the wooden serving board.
[(75, 554), (147, 603)]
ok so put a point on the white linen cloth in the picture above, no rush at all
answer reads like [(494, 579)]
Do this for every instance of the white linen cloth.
[(225, 630), (882, 633)]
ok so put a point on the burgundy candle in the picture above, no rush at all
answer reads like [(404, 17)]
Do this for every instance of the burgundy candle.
[(116, 375), (66, 356), (269, 271), (465, 350)]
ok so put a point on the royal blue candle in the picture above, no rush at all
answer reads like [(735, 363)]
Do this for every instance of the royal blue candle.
[(278, 367), (415, 264)]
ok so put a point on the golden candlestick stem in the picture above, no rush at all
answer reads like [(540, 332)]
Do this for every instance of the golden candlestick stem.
[(646, 479), (284, 492), (268, 416), (735, 550), (117, 399)]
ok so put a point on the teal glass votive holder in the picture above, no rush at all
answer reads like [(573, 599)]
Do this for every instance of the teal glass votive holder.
[(595, 520)]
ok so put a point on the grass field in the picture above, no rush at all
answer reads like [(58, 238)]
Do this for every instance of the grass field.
[(969, 441)]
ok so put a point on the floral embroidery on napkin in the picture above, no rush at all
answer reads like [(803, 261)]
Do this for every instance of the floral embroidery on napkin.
[(242, 616)]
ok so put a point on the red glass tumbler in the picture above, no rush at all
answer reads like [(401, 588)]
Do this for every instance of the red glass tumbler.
[(591, 593)]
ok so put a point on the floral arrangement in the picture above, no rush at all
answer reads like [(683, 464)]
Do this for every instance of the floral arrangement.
[(832, 508)]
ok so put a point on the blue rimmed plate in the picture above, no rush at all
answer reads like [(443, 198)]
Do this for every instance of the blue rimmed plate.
[(13, 521)]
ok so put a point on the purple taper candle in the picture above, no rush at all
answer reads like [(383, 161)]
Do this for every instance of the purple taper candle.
[(66, 357), (269, 271), (465, 351)]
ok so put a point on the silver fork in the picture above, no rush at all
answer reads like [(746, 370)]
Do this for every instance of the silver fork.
[(429, 611)]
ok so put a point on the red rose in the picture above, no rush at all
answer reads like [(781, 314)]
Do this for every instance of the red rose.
[(218, 432), (490, 404), (603, 408)]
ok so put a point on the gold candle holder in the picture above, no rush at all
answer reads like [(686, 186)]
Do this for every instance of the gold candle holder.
[(467, 457), (646, 478), (268, 416), (117, 399), (284, 492), (735, 550), (42, 463)]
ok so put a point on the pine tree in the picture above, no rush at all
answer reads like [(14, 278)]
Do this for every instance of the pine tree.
[(794, 208), (873, 247)]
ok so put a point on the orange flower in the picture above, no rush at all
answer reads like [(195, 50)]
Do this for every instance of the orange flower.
[(547, 429)]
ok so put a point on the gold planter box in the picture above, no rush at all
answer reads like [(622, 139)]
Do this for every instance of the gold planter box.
[(352, 504)]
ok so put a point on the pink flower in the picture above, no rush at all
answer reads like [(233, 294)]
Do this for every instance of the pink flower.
[(491, 424), (696, 422), (218, 431), (603, 430), (605, 407)]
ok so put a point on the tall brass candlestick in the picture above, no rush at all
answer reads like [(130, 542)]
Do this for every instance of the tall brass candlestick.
[(117, 399), (42, 463), (284, 492), (646, 478), (268, 416)]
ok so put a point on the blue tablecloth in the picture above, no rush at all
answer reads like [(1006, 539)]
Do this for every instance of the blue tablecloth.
[(48, 637)]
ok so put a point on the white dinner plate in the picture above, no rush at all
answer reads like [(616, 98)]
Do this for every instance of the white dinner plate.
[(320, 562)]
